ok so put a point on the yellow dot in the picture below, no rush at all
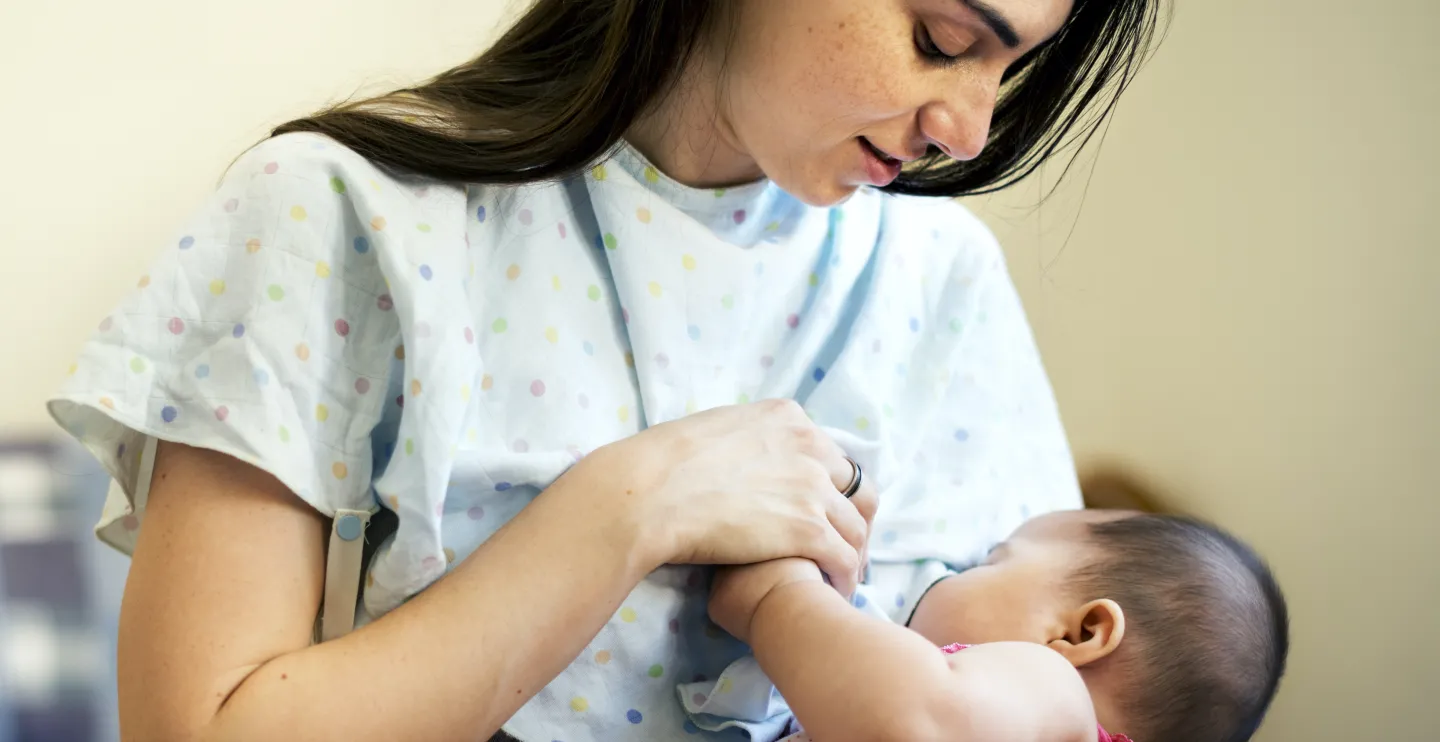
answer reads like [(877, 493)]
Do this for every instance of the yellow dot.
[(322, 413), (378, 223), (144, 281), (217, 287), (629, 359), (814, 280), (394, 501), (643, 214), (423, 227), (409, 446), (577, 703), (107, 403), (486, 382), (623, 413), (449, 555), (340, 470), (414, 387), (862, 423), (603, 657), (552, 334), (652, 175), (297, 213), (598, 172), (772, 227), (627, 614), (465, 393), (252, 245), (399, 352), (513, 272), (689, 262), (302, 351), (725, 685), (73, 368), (322, 269), (472, 435), (369, 579), (375, 186), (555, 282), (655, 289)]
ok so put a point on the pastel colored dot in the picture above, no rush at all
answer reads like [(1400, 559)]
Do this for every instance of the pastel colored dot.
[(564, 232), (409, 446), (593, 292), (232, 205), (73, 368), (699, 699), (378, 223), (876, 347), (552, 334), (475, 513), (962, 435), (394, 501), (555, 282), (634, 716), (137, 364), (187, 242), (361, 245), (143, 282), (385, 302), (480, 214), (982, 317), (400, 401), (297, 213), (176, 325), (643, 214), (238, 331), (583, 401), (579, 704), (217, 287), (302, 351), (814, 279), (469, 336), (693, 331), (499, 325), (362, 386), (168, 414), (414, 387), (767, 361), (727, 301), (130, 522), (861, 601), (513, 272), (464, 392), (793, 321), (939, 526), (449, 553), (738, 216), (423, 227), (271, 167), (690, 727), (598, 172), (862, 423), (340, 470), (202, 371), (772, 227), (322, 413), (520, 446), (109, 403), (252, 245), (726, 685), (629, 359), (742, 399), (342, 328), (275, 292), (655, 289), (759, 269), (674, 629), (688, 261), (889, 411), (399, 352), (656, 671), (899, 600), (900, 369), (603, 657), (623, 413), (284, 434), (588, 348), (652, 175), (625, 315), (426, 273), (610, 242), (818, 374), (662, 360), (262, 377), (322, 269), (537, 388), (719, 193), (914, 325)]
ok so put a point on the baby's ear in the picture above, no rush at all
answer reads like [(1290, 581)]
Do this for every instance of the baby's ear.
[(1092, 632)]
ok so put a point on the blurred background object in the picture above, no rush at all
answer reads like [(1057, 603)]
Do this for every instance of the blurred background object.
[(1235, 292)]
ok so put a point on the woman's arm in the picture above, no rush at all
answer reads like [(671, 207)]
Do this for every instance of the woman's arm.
[(227, 578), (851, 676)]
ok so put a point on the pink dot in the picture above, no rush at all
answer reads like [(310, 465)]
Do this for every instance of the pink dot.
[(469, 336), (537, 388), (662, 360), (561, 227), (422, 191), (400, 401), (526, 217), (232, 205), (520, 446), (362, 386), (430, 563), (739, 216), (876, 346), (699, 699), (440, 508), (271, 168), (476, 513), (674, 625), (575, 452), (342, 328), (106, 324), (793, 320), (899, 260), (222, 412), (766, 361), (130, 522), (625, 315), (385, 303), (584, 402), (177, 325), (422, 329)]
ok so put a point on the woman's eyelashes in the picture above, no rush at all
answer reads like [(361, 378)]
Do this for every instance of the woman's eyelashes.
[(933, 52)]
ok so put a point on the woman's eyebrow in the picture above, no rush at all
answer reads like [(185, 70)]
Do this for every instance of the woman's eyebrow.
[(996, 21)]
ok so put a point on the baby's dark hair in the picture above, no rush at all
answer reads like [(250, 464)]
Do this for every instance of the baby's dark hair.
[(1207, 630)]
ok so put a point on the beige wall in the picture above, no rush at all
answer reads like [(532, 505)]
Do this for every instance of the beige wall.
[(1245, 310)]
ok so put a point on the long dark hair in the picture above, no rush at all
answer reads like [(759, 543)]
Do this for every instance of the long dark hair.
[(565, 83)]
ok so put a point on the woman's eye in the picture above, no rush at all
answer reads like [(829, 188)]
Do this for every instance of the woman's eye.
[(925, 43)]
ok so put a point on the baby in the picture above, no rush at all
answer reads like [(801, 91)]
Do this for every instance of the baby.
[(1163, 628)]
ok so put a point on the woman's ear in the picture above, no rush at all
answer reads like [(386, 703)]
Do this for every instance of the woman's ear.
[(1093, 631)]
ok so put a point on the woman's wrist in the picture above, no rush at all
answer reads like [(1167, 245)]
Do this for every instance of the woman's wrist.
[(609, 490)]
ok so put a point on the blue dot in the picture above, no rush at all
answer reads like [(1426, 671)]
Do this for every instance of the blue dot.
[(860, 601), (202, 371), (502, 486), (759, 269), (389, 449), (914, 325), (362, 245), (120, 452), (480, 213), (900, 369), (899, 600), (589, 349), (634, 716), (962, 435), (262, 377), (889, 537), (819, 374), (694, 331), (690, 727), (187, 242), (238, 331), (426, 273), (168, 414)]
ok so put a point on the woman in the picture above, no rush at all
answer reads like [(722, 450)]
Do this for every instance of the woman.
[(624, 213)]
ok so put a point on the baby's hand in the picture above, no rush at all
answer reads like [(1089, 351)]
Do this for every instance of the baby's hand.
[(738, 591)]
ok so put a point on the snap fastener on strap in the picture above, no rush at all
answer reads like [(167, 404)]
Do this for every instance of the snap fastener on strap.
[(343, 562)]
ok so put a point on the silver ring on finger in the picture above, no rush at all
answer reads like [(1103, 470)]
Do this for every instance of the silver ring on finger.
[(855, 478)]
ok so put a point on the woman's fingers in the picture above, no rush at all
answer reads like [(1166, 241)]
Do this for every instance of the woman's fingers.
[(839, 561)]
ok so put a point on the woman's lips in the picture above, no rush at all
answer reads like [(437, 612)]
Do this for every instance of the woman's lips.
[(880, 168)]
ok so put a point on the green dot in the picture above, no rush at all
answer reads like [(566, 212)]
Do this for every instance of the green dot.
[(275, 292), (610, 242), (284, 434), (137, 364), (656, 671), (889, 411), (939, 526), (719, 192), (814, 279), (955, 325), (499, 325), (409, 446), (727, 301), (742, 399), (593, 292), (983, 316), (423, 227), (337, 185)]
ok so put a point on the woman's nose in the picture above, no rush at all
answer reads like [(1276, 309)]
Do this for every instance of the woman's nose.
[(959, 123)]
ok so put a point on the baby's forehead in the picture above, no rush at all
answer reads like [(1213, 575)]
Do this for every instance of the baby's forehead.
[(1066, 524)]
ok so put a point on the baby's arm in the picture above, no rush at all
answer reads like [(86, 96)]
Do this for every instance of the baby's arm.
[(850, 676)]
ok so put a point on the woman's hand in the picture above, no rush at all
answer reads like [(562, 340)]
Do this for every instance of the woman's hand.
[(738, 591), (738, 485)]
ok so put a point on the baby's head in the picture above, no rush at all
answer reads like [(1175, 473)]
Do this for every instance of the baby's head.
[(1179, 629)]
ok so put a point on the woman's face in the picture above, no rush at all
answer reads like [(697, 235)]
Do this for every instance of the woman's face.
[(828, 95)]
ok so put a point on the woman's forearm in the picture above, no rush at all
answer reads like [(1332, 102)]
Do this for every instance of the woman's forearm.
[(460, 658)]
